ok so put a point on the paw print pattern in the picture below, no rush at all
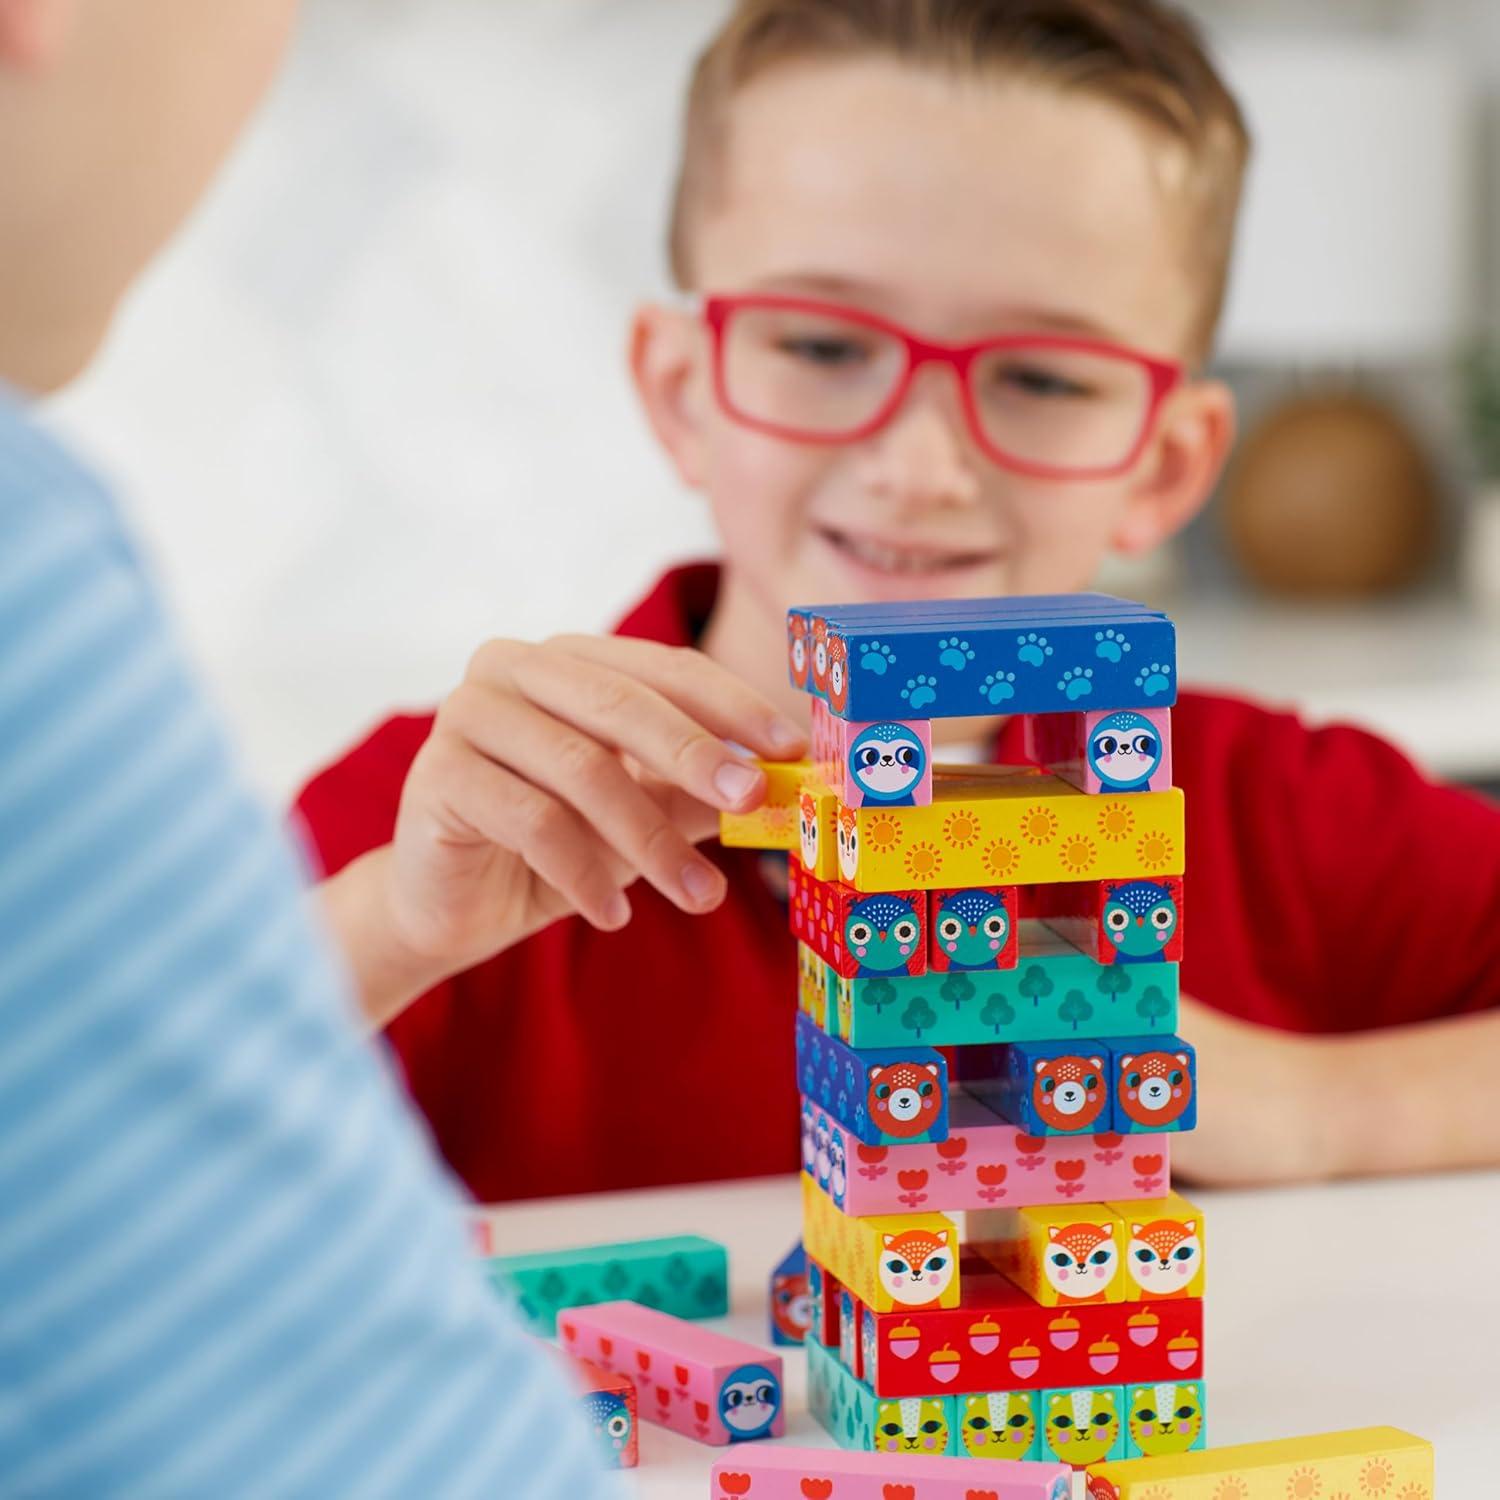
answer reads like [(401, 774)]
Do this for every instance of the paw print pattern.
[(1077, 682), (877, 657), (1110, 645), (1034, 649), (920, 691), (998, 686), (954, 653), (1156, 678)]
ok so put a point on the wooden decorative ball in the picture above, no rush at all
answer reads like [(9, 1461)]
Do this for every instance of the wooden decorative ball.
[(1332, 496)]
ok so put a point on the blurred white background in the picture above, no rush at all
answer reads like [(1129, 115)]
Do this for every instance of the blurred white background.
[(373, 406)]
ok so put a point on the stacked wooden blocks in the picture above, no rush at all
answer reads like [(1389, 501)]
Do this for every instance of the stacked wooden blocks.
[(986, 1047)]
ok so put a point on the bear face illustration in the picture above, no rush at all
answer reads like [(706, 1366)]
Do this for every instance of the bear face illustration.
[(1155, 1088), (838, 673), (796, 649), (1068, 1093), (903, 1098)]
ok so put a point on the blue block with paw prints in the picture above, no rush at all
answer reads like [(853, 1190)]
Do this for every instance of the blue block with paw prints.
[(1037, 654)]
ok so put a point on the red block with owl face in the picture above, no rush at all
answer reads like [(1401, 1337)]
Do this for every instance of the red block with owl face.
[(858, 936), (1115, 921)]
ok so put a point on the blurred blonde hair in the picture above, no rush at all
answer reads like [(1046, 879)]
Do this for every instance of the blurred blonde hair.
[(1144, 56)]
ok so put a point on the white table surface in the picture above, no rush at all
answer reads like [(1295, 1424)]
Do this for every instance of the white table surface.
[(1329, 1307)]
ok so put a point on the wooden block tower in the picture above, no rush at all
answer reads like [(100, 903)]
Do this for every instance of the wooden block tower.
[(986, 1038)]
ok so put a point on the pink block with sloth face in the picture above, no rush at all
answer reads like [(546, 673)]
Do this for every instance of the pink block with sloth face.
[(986, 1162), (697, 1382), (828, 1474)]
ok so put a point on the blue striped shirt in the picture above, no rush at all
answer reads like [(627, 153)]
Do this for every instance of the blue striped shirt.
[(228, 1265)]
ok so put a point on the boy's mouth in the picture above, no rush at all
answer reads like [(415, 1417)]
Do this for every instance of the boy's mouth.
[(901, 560)]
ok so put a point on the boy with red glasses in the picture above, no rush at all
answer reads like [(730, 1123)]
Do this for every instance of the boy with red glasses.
[(956, 269)]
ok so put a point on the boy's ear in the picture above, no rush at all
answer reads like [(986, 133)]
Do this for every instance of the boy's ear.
[(668, 363), (1182, 465), (32, 31)]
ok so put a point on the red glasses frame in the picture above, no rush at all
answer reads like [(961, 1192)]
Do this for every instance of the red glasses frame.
[(1163, 376)]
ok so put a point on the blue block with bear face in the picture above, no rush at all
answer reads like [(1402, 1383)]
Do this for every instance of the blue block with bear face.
[(883, 1096), (1153, 1084), (1045, 1088)]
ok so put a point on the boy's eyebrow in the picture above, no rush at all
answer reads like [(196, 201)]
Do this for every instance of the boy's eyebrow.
[(878, 298)]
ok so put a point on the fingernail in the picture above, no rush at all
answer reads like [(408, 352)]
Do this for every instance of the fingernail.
[(786, 736), (734, 781), (700, 882), (616, 912)]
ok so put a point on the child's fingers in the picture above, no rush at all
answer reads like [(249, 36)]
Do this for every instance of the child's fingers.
[(590, 780), (708, 693), (555, 843)]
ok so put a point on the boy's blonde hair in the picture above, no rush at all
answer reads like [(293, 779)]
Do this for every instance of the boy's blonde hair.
[(1143, 55)]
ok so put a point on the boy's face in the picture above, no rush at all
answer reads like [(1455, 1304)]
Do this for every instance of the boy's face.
[(960, 208), (113, 118)]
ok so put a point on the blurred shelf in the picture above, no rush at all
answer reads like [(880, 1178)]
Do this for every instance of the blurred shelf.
[(1422, 672)]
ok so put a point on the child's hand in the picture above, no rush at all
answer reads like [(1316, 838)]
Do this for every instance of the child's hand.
[(555, 776)]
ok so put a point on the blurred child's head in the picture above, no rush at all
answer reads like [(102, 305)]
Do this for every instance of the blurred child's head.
[(112, 118), (963, 169)]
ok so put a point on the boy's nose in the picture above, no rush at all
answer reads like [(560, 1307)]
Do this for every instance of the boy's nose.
[(924, 456)]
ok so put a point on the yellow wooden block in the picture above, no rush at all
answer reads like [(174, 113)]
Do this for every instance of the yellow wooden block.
[(891, 1262), (813, 975), (1367, 1462), (773, 825), (1164, 1248), (1008, 826), (1060, 1255)]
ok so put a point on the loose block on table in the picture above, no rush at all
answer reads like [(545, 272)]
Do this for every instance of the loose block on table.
[(1125, 922), (1083, 1425), (1165, 1417), (855, 933), (973, 929), (886, 763), (791, 1313), (880, 1095), (819, 1474), (1053, 992), (1000, 1339), (1368, 1461), (984, 1161), (1047, 654), (897, 1261), (999, 825), (702, 1384), (611, 1405), (1104, 750), (1164, 1248), (683, 1274), (1059, 1256), (772, 825)]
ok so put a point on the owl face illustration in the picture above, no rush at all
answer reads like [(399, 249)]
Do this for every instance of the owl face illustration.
[(1140, 919), (749, 1402), (886, 761), (1082, 1425), (1165, 1418), (609, 1416), (848, 844), (1000, 1424), (882, 933), (972, 929), (1124, 752)]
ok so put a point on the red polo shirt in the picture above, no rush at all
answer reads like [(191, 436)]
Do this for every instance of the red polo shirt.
[(1333, 888)]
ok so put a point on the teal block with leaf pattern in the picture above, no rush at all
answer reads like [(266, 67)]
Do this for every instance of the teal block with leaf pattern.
[(685, 1275), (856, 1418), (1054, 992)]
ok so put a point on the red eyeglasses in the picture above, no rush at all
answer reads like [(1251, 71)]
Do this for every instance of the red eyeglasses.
[(1048, 406)]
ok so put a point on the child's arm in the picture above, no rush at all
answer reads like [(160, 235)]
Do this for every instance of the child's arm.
[(1281, 1107), (555, 776)]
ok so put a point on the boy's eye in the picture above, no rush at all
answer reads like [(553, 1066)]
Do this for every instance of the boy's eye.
[(1034, 380), (826, 350)]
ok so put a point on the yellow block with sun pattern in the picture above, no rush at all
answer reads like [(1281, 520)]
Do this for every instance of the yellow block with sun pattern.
[(1367, 1462), (1010, 826), (855, 1251), (773, 825)]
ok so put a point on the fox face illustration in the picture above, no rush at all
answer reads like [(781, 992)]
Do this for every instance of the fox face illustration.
[(1164, 1257), (1080, 1261), (916, 1266)]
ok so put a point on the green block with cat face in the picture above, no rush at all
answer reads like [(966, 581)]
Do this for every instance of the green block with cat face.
[(1164, 1419), (856, 1418), (685, 1275), (1085, 1425)]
